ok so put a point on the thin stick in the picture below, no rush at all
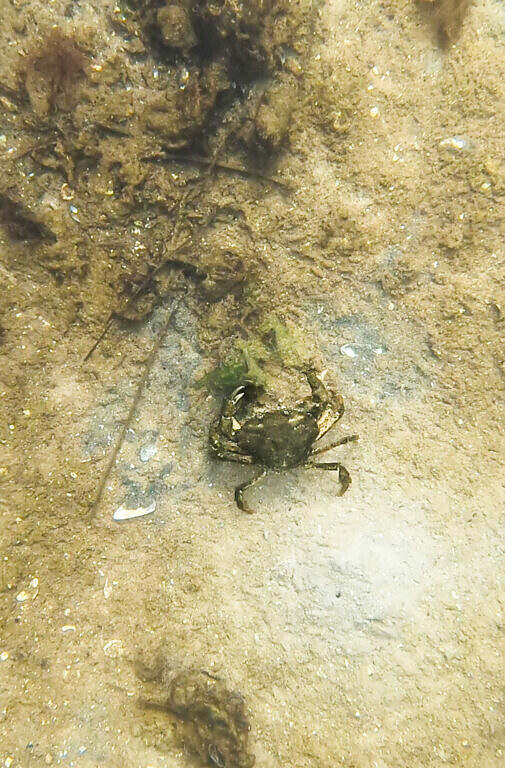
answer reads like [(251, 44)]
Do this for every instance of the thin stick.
[(205, 162), (99, 339), (132, 409)]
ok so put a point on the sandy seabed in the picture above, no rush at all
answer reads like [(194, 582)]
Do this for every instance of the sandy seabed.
[(363, 631)]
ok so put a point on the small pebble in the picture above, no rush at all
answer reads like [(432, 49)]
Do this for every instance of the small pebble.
[(22, 596), (4, 656)]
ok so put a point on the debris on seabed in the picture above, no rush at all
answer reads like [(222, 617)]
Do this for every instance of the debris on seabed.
[(346, 349), (147, 452), (113, 649), (122, 513), (456, 143)]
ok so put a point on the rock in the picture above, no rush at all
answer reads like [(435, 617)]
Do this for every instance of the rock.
[(176, 28), (274, 115)]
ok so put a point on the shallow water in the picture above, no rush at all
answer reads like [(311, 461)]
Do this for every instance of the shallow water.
[(363, 631)]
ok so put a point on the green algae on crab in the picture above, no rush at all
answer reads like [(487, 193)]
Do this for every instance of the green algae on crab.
[(245, 363), (276, 343), (288, 342)]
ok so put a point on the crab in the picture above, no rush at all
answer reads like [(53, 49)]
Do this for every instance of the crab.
[(278, 439)]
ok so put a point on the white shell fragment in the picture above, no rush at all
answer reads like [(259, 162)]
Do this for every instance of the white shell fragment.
[(113, 648), (456, 143), (147, 452), (346, 349), (122, 513)]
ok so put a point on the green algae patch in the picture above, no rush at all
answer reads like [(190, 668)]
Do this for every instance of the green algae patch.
[(276, 344), (287, 342), (246, 362)]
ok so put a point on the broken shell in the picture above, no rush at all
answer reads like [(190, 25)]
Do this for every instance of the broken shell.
[(122, 513), (346, 349), (113, 648), (147, 452), (455, 143)]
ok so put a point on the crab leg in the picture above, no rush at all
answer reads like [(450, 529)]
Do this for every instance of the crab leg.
[(239, 492), (233, 454), (342, 441), (343, 475), (331, 413), (329, 418)]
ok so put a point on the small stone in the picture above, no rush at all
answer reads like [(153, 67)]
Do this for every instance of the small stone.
[(176, 27), (48, 759), (4, 656), (22, 596), (274, 116)]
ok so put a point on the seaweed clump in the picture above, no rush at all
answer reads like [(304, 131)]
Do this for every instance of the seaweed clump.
[(215, 724), (50, 72), (223, 55), (238, 30)]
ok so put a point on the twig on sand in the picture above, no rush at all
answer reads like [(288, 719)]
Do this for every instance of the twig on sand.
[(212, 165), (129, 416)]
